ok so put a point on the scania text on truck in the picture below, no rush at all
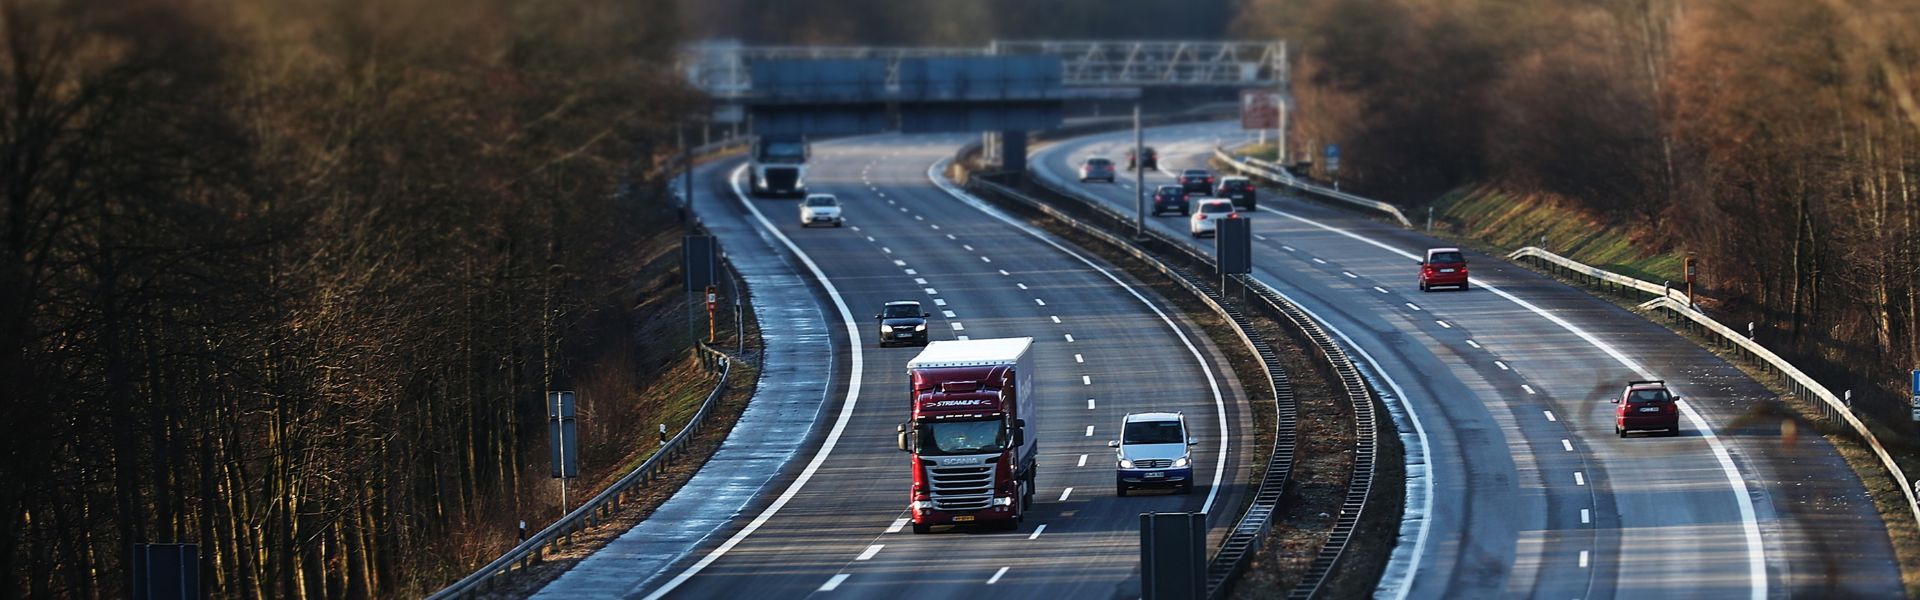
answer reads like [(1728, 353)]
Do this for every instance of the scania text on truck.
[(972, 433), (779, 165)]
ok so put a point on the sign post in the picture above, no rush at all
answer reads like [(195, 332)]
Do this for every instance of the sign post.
[(713, 304), (1915, 398), (1693, 268), (563, 443)]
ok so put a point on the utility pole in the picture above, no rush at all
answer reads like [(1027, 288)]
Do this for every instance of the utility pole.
[(686, 164), (1139, 178)]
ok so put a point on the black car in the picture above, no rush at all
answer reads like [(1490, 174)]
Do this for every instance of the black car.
[(1238, 189), (1152, 159), (1170, 198), (902, 323), (1197, 181)]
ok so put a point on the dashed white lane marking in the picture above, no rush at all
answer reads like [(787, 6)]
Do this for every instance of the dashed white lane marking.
[(1568, 444), (932, 292), (869, 552), (961, 338), (1585, 517), (1473, 343), (1089, 404), (1317, 260), (967, 247), (1583, 559), (912, 272), (835, 582), (1083, 460), (898, 524), (935, 227), (899, 263), (903, 209), (886, 250), (985, 259), (1287, 248), (919, 218), (1022, 285), (1086, 380), (1444, 324), (1069, 338), (1503, 366), (1089, 434), (1579, 478), (1528, 388), (1259, 237), (870, 239), (1036, 531), (1039, 302), (958, 327), (1004, 272), (855, 228), (1064, 493), (1549, 415), (950, 236), (1380, 289), (1003, 570), (939, 302), (919, 281), (1077, 358), (1056, 318), (1349, 274), (1413, 306), (947, 313)]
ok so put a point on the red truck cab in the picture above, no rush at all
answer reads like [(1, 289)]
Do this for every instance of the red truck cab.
[(970, 434)]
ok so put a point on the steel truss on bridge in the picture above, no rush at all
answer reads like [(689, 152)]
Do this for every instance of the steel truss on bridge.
[(722, 68)]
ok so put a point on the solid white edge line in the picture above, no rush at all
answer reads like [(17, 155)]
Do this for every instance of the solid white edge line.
[(839, 424), (1219, 401), (1749, 521)]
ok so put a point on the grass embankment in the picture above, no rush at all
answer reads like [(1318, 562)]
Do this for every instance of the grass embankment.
[(1496, 221)]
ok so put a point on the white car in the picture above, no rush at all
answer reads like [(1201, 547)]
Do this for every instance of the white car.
[(1207, 213), (1154, 451), (820, 209)]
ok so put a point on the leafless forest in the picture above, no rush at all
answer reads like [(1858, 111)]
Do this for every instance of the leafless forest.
[(1776, 140), (287, 279)]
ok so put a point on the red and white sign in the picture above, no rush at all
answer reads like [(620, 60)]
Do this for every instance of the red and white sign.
[(1259, 109)]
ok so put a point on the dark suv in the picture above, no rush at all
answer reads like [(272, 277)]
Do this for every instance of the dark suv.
[(1170, 198), (1152, 160), (1197, 181), (902, 323), (1238, 189)]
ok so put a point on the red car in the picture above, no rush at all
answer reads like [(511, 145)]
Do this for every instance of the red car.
[(1445, 267), (1646, 406)]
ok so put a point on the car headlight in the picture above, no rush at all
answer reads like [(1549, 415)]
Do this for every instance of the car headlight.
[(1126, 464), (1180, 463), (920, 327), (886, 329)]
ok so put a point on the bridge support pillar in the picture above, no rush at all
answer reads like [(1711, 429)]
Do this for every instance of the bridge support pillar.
[(1013, 150)]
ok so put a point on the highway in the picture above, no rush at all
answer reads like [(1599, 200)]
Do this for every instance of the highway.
[(832, 521), (1532, 494)]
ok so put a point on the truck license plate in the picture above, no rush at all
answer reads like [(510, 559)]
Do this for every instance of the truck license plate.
[(962, 518), (1155, 475)]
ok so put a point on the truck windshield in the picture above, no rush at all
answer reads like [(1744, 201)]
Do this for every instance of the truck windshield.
[(962, 437), (783, 151)]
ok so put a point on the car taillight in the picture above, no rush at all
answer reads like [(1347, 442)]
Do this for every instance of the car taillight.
[(1233, 215), (1202, 216)]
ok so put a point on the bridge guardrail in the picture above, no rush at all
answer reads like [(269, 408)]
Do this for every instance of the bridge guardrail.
[(601, 505), (1279, 176), (1675, 304)]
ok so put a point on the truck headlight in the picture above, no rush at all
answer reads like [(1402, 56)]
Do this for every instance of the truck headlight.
[(923, 505), (886, 329), (1180, 463), (1126, 464), (920, 327), (1003, 501)]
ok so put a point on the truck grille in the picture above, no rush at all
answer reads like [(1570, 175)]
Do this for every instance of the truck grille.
[(782, 178), (1156, 463), (961, 488)]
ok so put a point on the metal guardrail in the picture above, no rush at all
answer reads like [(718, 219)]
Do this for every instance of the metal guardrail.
[(1243, 541), (1279, 176), (1675, 304), (601, 505)]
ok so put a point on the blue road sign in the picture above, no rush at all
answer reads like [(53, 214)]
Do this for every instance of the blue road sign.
[(1916, 394), (1333, 151)]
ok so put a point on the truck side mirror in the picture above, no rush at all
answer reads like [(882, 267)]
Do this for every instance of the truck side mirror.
[(1113, 443), (903, 438), (1193, 441), (876, 316)]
